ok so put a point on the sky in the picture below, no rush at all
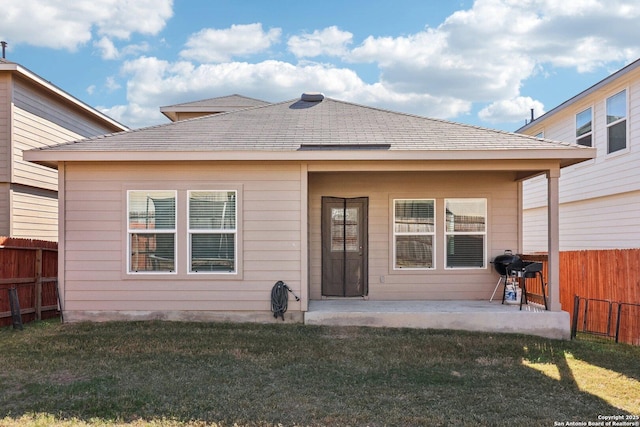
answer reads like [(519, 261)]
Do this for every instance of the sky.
[(482, 62)]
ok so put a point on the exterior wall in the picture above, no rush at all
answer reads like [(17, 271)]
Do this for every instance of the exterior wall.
[(34, 213), (604, 223), (5, 126), (96, 285), (596, 195), (40, 120), (32, 118), (5, 225), (499, 188)]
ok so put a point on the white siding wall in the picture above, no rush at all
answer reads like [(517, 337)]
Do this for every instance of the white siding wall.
[(96, 233), (605, 188), (35, 213), (602, 223), (381, 188)]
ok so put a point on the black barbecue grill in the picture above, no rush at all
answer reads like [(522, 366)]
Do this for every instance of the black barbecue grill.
[(509, 264)]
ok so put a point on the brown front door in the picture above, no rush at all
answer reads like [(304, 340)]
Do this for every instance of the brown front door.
[(344, 247)]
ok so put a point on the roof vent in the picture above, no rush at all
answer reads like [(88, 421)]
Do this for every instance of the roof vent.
[(312, 97)]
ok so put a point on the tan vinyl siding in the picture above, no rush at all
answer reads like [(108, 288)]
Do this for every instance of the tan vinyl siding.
[(40, 120), (31, 131), (35, 213), (269, 233), (499, 189), (56, 112), (5, 208), (5, 126)]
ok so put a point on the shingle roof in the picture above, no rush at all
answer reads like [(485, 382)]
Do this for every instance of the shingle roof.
[(296, 124), (329, 130), (221, 104)]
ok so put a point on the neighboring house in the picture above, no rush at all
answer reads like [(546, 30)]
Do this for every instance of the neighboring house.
[(198, 219), (599, 199), (34, 113), (223, 104)]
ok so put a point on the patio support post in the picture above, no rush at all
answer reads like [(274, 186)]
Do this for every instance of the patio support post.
[(553, 212)]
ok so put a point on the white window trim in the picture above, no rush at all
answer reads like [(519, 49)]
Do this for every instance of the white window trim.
[(173, 231), (590, 133), (608, 125), (433, 234), (190, 232), (485, 233)]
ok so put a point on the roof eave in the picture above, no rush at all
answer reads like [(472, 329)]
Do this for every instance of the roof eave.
[(565, 157)]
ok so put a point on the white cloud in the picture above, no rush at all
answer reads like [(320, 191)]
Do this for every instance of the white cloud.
[(479, 57), (512, 110), (153, 83), (107, 49), (213, 45), (329, 41), (63, 24)]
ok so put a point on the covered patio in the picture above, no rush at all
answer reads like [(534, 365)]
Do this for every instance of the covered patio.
[(481, 316)]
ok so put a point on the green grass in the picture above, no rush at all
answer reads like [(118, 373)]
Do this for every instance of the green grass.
[(193, 374)]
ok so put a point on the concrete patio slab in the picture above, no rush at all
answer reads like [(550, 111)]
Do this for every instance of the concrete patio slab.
[(481, 316)]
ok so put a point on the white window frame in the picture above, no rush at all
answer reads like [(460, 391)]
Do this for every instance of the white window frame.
[(448, 233), (618, 121), (234, 232), (432, 234), (131, 231), (586, 134)]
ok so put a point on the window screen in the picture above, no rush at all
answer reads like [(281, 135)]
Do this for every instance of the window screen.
[(465, 232), (414, 233), (212, 231), (152, 231)]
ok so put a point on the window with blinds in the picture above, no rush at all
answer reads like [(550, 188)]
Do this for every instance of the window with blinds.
[(465, 233), (151, 228), (212, 231), (414, 233)]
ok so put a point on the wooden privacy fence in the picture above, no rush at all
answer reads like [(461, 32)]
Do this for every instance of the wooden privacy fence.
[(31, 268), (609, 276)]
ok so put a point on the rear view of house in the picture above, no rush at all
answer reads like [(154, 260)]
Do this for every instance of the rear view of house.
[(197, 219), (34, 113)]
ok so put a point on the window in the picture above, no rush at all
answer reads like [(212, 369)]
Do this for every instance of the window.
[(212, 231), (539, 135), (465, 232), (617, 122), (414, 233), (152, 231), (584, 130)]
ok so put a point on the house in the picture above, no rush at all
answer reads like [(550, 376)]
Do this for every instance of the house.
[(600, 198), (198, 219), (35, 113), (223, 104)]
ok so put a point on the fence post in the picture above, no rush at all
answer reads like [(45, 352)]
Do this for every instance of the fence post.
[(38, 284), (16, 314), (618, 321), (574, 323)]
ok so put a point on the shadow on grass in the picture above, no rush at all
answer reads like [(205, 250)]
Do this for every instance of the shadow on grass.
[(181, 373)]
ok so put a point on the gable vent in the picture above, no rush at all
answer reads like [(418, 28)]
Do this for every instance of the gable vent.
[(312, 97)]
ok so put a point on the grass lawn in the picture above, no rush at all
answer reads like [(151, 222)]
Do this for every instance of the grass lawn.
[(193, 374)]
